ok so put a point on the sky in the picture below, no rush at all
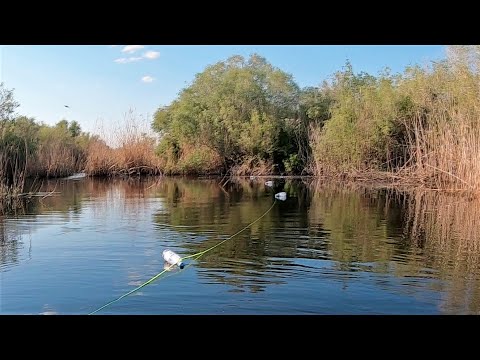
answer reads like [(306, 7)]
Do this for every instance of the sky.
[(102, 83)]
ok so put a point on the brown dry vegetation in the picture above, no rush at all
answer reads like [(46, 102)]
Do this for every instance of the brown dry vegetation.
[(130, 152), (135, 157)]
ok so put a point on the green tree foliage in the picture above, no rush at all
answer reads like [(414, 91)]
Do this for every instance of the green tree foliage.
[(62, 149), (7, 104), (62, 124), (74, 129), (237, 108), (362, 111), (315, 103)]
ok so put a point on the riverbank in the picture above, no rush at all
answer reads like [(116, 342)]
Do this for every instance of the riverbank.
[(245, 117)]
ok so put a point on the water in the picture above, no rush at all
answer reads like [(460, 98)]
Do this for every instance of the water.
[(325, 250)]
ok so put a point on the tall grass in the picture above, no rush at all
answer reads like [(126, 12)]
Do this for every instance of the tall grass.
[(15, 152), (189, 160), (130, 150), (422, 124), (58, 153), (444, 124)]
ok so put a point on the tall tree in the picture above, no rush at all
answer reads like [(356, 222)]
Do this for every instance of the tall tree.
[(236, 107)]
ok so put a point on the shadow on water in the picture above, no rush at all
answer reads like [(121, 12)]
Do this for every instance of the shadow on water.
[(404, 242)]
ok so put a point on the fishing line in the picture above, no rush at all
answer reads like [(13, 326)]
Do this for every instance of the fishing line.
[(195, 256)]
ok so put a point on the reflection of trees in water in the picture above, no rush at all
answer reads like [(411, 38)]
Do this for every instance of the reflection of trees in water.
[(417, 237), (126, 200), (382, 231), (65, 198), (66, 204), (364, 225), (405, 234), (256, 256), (366, 233), (11, 243), (449, 230)]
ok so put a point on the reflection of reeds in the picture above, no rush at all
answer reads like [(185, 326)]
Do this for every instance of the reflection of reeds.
[(410, 232), (10, 201), (447, 224), (407, 234), (448, 228), (358, 219), (10, 240)]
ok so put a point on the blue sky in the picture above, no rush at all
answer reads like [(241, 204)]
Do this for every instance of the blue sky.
[(101, 83)]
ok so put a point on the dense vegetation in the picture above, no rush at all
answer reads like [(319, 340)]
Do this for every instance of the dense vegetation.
[(29, 149), (238, 115), (246, 117)]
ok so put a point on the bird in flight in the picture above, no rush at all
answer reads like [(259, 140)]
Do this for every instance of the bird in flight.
[(67, 106)]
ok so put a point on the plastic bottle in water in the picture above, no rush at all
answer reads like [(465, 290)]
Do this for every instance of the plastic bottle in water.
[(281, 196), (173, 258)]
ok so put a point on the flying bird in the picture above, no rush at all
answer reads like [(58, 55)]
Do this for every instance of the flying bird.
[(67, 106)]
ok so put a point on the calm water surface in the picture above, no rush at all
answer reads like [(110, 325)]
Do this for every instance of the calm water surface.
[(325, 250)]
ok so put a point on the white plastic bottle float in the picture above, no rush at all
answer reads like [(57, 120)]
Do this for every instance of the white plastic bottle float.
[(281, 196), (269, 183), (173, 258)]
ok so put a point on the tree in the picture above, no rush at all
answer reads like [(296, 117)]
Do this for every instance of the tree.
[(74, 128), (239, 108), (7, 104), (315, 103), (62, 124)]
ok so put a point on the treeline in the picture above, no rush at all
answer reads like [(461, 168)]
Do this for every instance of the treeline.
[(29, 149), (244, 116)]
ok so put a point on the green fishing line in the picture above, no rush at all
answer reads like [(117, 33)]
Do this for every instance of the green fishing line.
[(195, 256)]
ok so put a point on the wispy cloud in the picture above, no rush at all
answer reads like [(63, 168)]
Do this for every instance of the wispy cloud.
[(147, 79), (130, 49), (127, 60), (151, 55)]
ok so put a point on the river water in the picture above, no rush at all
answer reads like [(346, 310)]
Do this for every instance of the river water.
[(326, 249)]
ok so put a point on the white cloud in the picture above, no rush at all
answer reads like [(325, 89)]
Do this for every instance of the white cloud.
[(132, 48), (151, 55), (147, 79), (127, 60)]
